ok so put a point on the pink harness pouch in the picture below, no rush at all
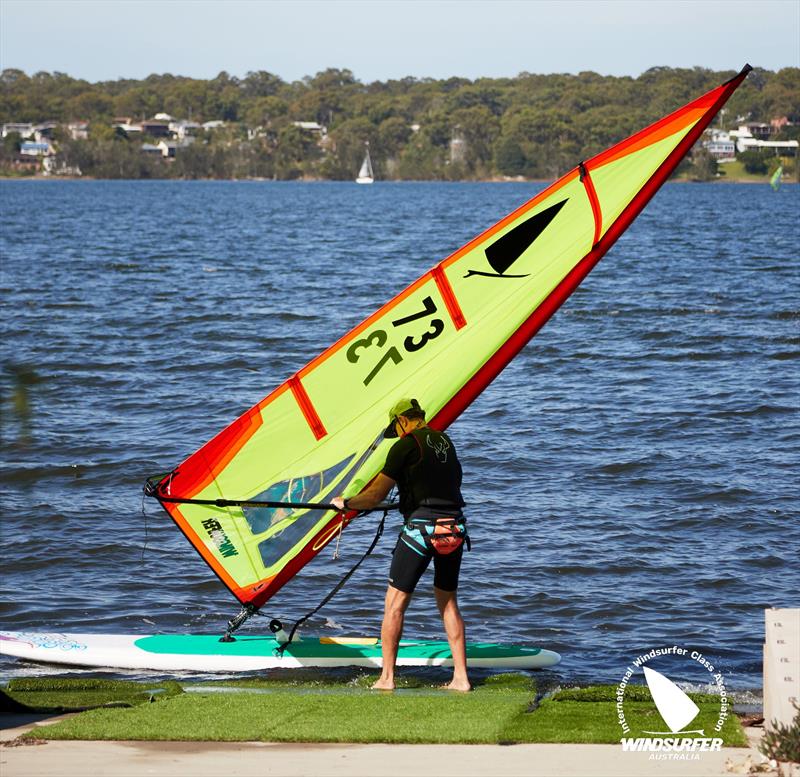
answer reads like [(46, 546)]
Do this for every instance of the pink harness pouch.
[(447, 537)]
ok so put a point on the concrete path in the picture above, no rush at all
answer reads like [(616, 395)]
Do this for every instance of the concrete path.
[(211, 759)]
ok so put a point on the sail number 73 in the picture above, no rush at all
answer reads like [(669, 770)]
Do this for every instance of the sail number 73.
[(377, 339)]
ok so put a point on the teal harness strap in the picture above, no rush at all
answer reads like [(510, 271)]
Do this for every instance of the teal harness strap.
[(417, 545)]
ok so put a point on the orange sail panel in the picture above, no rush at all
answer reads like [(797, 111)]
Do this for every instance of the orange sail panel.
[(442, 340)]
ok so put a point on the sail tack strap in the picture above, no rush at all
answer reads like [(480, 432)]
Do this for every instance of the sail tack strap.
[(338, 587)]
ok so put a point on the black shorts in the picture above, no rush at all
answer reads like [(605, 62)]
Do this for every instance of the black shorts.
[(408, 566)]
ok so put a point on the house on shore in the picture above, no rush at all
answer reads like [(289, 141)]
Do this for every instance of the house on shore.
[(127, 125), (185, 129), (31, 148), (42, 133), (27, 163), (746, 141), (23, 130), (757, 129), (155, 128), (720, 145), (169, 148), (78, 130), (315, 128)]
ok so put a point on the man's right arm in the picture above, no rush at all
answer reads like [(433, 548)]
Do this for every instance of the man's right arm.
[(371, 496)]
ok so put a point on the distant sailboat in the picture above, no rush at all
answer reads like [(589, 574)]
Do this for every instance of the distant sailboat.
[(775, 181), (365, 174), (677, 709)]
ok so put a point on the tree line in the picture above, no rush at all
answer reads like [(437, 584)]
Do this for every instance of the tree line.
[(535, 126)]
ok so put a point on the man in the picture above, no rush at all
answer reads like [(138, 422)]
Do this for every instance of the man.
[(424, 467)]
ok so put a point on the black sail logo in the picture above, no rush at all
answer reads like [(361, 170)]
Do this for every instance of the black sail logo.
[(502, 254)]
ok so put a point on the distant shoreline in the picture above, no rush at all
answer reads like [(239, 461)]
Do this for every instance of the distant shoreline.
[(722, 180)]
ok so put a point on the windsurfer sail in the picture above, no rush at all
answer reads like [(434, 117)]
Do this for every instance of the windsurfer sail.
[(443, 339), (777, 176)]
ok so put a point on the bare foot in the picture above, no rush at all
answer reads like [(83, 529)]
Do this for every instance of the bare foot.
[(383, 685), (462, 686)]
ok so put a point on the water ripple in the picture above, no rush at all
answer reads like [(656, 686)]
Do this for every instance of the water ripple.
[(631, 475)]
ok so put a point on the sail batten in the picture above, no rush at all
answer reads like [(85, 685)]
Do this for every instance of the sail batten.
[(443, 340)]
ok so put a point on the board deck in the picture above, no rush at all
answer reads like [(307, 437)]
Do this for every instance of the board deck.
[(205, 653)]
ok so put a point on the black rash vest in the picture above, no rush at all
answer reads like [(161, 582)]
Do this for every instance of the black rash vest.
[(424, 465)]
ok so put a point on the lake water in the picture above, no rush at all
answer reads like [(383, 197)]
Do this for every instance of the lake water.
[(642, 452)]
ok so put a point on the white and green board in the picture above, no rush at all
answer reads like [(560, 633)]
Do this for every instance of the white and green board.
[(205, 653)]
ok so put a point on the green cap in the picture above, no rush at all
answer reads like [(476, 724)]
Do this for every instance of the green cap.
[(400, 408)]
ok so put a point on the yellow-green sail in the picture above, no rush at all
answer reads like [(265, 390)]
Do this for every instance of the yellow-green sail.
[(441, 340), (777, 176)]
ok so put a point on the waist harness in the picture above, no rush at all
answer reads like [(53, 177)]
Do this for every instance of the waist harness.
[(436, 528)]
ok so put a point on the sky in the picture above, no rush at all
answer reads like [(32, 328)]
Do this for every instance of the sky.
[(377, 40)]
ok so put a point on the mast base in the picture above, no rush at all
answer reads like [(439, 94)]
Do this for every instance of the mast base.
[(234, 623)]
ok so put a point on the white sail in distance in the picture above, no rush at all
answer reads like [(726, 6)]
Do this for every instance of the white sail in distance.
[(365, 174)]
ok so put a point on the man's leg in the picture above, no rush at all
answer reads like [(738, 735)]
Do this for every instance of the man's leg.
[(392, 629), (404, 574), (447, 603)]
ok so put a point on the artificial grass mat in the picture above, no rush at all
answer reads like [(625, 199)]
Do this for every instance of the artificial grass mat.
[(73, 695), (503, 708)]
